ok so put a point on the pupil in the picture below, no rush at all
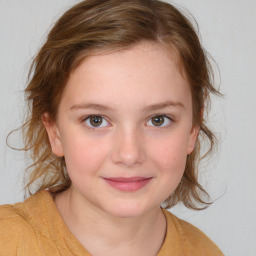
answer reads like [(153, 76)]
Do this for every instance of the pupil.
[(96, 121), (158, 120)]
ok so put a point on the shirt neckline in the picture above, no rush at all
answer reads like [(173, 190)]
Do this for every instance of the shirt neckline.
[(64, 239)]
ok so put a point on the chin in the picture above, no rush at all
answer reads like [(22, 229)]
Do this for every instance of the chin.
[(127, 210)]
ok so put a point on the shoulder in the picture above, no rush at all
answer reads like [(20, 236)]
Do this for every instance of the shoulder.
[(194, 241), (18, 235), (10, 221), (13, 230), (21, 217)]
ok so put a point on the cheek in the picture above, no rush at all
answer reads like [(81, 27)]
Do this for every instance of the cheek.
[(84, 156), (170, 154)]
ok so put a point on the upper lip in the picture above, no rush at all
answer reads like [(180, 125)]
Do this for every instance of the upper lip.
[(129, 179)]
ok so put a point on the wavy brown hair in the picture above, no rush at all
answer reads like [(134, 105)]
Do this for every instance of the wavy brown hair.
[(95, 26)]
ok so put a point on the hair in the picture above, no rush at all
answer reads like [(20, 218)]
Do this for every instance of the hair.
[(94, 26)]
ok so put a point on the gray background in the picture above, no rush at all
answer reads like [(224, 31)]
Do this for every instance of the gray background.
[(228, 32)]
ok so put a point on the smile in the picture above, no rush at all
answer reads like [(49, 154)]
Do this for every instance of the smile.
[(128, 184)]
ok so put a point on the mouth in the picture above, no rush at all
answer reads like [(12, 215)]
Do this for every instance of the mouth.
[(128, 184)]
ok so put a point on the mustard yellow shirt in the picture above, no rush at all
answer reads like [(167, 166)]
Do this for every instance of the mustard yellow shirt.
[(36, 228)]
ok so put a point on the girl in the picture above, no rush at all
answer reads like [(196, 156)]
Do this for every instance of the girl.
[(116, 99)]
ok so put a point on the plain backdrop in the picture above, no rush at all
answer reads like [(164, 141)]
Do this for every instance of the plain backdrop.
[(228, 33)]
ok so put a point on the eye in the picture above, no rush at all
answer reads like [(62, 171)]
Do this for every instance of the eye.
[(159, 121), (96, 121)]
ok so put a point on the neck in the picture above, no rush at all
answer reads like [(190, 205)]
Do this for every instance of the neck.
[(103, 234)]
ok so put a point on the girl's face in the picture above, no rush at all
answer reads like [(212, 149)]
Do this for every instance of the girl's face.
[(125, 128)]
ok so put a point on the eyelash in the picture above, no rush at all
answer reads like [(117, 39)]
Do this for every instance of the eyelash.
[(90, 116), (170, 120)]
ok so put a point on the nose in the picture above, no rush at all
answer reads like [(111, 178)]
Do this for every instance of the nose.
[(128, 148)]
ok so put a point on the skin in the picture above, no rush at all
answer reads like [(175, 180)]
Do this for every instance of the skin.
[(135, 85)]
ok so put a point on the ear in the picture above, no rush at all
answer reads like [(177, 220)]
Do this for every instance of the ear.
[(192, 138), (53, 135)]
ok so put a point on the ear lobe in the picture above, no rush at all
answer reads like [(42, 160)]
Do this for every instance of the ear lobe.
[(53, 135), (193, 138)]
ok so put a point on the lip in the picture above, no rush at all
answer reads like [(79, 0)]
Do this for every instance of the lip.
[(128, 184)]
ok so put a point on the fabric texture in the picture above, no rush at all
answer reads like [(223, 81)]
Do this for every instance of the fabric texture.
[(36, 228)]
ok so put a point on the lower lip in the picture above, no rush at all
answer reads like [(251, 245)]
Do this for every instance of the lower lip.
[(128, 186)]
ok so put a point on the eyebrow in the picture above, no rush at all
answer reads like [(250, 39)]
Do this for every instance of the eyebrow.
[(163, 105), (90, 106), (101, 107)]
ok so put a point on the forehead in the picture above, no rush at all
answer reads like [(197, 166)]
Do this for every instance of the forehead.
[(145, 51), (145, 72)]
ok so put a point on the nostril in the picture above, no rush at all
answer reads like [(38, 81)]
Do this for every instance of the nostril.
[(128, 152)]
